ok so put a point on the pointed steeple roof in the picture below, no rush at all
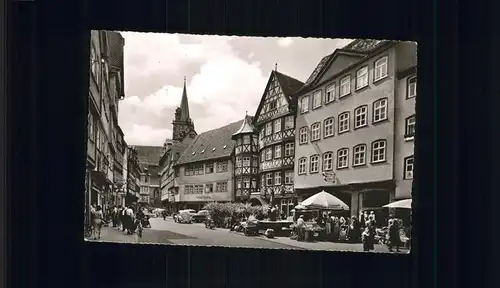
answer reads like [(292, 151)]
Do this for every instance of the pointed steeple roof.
[(246, 126), (184, 105)]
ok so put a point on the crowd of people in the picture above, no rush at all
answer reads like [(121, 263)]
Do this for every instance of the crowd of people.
[(128, 218), (364, 229)]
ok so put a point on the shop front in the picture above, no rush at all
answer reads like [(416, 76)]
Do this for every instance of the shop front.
[(197, 201)]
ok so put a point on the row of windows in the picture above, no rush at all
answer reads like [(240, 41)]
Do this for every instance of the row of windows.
[(360, 120), (275, 126), (247, 184), (246, 161), (267, 154), (275, 179), (380, 72), (378, 155), (209, 188), (197, 169), (246, 140)]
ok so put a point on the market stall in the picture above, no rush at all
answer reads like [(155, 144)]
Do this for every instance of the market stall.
[(312, 210), (405, 232)]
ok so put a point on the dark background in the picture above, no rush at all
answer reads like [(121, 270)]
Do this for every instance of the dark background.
[(47, 59)]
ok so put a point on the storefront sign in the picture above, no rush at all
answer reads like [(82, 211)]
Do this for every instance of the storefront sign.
[(206, 197)]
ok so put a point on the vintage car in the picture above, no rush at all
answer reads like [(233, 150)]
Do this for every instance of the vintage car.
[(200, 217), (183, 217)]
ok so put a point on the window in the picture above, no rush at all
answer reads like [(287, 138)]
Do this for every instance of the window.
[(317, 99), (277, 125), (94, 62), (269, 128), (342, 158), (209, 188), (302, 165), (277, 151), (269, 154), (380, 68), (262, 181), (198, 189), (315, 131), (272, 105), (209, 168), (277, 178), (362, 77), (98, 140), (303, 135), (314, 164), (345, 86), (304, 104), (408, 173), (261, 134), (410, 127), (344, 122), (221, 186), (246, 139), (238, 161), (90, 123), (288, 177), (255, 161), (246, 183), (254, 183), (330, 93), (328, 161), (359, 155), (289, 122), (255, 139), (380, 110), (289, 149), (378, 151), (328, 127), (262, 156), (412, 87), (269, 179), (246, 161), (221, 166), (360, 116)]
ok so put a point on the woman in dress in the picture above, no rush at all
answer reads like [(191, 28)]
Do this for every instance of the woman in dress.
[(97, 222), (369, 236), (394, 237)]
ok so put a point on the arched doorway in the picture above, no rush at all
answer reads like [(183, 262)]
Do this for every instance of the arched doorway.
[(254, 201)]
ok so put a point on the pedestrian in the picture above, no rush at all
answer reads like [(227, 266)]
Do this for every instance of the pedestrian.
[(164, 214), (98, 218), (393, 236), (124, 219), (300, 228), (369, 237), (130, 220)]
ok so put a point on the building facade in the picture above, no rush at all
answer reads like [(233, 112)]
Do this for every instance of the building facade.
[(350, 122), (206, 170), (149, 158), (275, 121), (105, 90), (246, 159), (133, 177)]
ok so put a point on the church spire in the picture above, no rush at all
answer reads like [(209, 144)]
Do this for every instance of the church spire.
[(184, 104)]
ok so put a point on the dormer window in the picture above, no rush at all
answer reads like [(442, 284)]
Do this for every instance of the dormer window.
[(273, 105)]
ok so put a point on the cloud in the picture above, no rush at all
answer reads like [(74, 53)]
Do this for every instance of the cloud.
[(222, 83)]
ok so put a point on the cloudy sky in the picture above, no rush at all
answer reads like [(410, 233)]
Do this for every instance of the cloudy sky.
[(226, 76)]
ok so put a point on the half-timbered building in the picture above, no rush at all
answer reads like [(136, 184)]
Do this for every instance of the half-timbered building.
[(275, 121), (246, 159)]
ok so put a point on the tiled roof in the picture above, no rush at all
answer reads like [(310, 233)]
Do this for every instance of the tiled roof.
[(361, 46), (149, 154), (289, 85), (246, 126), (216, 143)]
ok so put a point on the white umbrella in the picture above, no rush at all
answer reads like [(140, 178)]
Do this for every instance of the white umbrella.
[(324, 200), (300, 207), (403, 204)]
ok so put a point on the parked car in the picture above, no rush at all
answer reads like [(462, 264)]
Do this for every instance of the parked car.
[(200, 217), (184, 217)]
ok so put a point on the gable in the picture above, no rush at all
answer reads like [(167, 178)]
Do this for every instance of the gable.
[(336, 65), (273, 101)]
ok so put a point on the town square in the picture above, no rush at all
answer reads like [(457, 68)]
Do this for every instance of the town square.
[(250, 149)]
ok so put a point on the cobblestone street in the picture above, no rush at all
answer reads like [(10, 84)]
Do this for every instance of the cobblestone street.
[(168, 232)]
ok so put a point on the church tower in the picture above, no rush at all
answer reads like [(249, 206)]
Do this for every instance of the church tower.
[(183, 125)]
